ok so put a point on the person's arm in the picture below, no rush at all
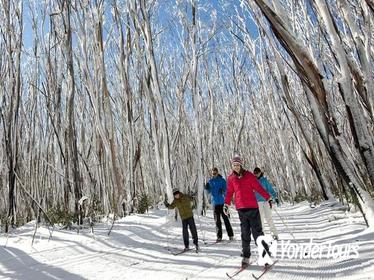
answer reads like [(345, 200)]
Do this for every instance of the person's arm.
[(229, 192), (258, 188), (170, 206), (224, 187), (269, 189), (207, 187)]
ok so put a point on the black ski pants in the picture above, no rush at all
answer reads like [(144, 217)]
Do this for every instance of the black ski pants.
[(218, 212), (250, 222), (189, 222)]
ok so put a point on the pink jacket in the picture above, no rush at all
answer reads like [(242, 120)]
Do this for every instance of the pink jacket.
[(244, 189)]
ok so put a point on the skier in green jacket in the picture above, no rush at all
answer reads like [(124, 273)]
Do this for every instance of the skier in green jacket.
[(183, 203)]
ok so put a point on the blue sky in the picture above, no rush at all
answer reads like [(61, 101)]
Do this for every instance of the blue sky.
[(224, 10)]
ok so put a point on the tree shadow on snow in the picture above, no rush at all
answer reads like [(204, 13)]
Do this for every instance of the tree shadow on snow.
[(18, 265)]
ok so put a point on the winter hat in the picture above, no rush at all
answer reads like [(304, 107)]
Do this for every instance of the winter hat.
[(257, 170), (175, 191), (237, 159)]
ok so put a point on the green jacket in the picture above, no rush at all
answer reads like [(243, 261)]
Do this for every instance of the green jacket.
[(183, 203)]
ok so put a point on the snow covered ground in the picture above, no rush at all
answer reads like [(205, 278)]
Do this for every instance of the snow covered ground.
[(139, 246)]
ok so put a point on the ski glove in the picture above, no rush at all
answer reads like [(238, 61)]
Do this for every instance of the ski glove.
[(193, 195), (206, 186), (226, 210), (271, 203), (277, 202), (166, 204)]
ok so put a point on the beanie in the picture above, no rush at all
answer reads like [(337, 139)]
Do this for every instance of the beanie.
[(175, 191), (236, 159)]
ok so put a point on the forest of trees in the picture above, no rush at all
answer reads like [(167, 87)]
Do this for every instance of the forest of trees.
[(115, 101)]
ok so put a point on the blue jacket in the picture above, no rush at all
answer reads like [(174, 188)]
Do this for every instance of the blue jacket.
[(217, 188), (268, 188)]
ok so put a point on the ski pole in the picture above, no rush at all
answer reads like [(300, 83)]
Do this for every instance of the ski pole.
[(284, 223), (168, 221), (167, 232), (201, 230)]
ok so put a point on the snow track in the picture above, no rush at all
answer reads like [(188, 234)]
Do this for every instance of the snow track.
[(136, 249)]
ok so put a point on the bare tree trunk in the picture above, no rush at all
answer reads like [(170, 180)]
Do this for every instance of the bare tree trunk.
[(362, 136), (124, 57), (107, 109), (144, 25), (309, 153), (316, 94), (197, 109), (13, 14), (71, 129), (370, 3)]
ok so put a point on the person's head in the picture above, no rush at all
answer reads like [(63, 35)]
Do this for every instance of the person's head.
[(214, 172), (257, 171), (236, 163), (176, 193)]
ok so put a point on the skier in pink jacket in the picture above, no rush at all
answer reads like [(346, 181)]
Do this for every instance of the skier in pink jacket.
[(243, 184)]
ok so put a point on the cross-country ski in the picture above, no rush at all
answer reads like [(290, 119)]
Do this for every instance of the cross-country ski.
[(176, 253), (239, 270), (265, 270)]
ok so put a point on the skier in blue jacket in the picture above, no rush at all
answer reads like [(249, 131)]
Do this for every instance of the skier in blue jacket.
[(265, 206), (216, 186)]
